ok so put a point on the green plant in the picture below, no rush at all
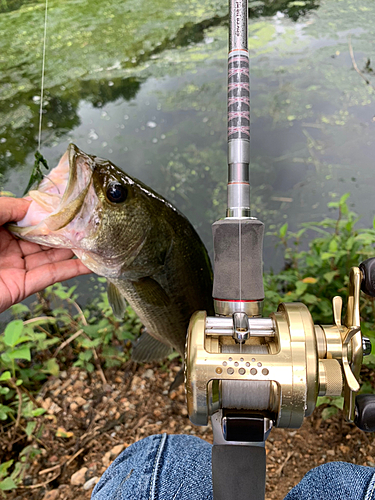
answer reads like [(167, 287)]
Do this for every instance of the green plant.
[(54, 332), (314, 276)]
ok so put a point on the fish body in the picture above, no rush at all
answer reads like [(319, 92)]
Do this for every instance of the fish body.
[(122, 230)]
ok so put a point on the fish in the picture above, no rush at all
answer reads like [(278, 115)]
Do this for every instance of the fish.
[(121, 229)]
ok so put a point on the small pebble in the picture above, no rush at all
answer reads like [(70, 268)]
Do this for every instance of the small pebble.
[(78, 477), (52, 495), (90, 483), (79, 401), (149, 374)]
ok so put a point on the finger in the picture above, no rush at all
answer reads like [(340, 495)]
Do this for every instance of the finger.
[(12, 209), (47, 257), (40, 277), (28, 248)]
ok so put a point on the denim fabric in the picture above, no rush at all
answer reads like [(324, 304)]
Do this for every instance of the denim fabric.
[(336, 481), (161, 467), (178, 467)]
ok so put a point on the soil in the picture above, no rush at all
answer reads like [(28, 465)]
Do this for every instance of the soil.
[(96, 419)]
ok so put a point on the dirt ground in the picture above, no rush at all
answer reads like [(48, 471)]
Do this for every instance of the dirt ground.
[(96, 419)]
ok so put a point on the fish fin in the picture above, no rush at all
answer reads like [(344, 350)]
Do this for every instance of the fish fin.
[(147, 349), (116, 300), (178, 380), (151, 292)]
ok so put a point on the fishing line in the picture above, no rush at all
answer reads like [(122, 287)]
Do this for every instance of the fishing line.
[(240, 266), (37, 174), (43, 70)]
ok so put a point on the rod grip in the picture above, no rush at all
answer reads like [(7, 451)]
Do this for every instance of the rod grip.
[(368, 276), (238, 248), (238, 472)]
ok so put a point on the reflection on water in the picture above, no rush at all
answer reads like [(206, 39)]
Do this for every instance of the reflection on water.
[(145, 85)]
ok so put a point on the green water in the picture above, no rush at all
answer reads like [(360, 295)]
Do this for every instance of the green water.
[(144, 84)]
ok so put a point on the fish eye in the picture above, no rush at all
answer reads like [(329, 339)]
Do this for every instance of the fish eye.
[(116, 192)]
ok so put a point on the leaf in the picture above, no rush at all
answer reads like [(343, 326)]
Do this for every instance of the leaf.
[(327, 255), (329, 276), (333, 246), (310, 299), (4, 468), (329, 412), (13, 332), (333, 204), (283, 230), (18, 309), (7, 484), (4, 412), (309, 280), (21, 353), (322, 400), (61, 432), (88, 344), (5, 376), (300, 287), (52, 367), (343, 198), (30, 427), (38, 412), (37, 174), (338, 402)]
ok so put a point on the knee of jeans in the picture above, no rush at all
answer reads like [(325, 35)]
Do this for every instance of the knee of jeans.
[(338, 479)]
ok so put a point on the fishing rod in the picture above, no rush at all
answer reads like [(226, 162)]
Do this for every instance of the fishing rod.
[(248, 373)]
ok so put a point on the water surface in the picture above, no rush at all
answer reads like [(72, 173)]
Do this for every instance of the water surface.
[(144, 84)]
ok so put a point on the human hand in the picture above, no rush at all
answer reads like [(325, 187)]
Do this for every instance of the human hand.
[(26, 268)]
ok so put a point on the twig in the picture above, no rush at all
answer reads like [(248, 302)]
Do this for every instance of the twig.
[(65, 463), (67, 342), (44, 318), (34, 437), (280, 469), (32, 398), (80, 312), (40, 485), (70, 460), (19, 411), (355, 64), (97, 362), (50, 469)]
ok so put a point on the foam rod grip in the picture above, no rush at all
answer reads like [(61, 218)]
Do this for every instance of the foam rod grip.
[(365, 412), (368, 279), (238, 249), (238, 472)]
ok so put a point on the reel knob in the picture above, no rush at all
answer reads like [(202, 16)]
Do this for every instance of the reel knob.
[(365, 412), (367, 268)]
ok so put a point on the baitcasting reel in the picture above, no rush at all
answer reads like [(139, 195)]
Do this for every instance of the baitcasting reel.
[(255, 373), (264, 372)]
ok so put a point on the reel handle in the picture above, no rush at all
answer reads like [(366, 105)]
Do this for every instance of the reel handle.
[(365, 412), (367, 268)]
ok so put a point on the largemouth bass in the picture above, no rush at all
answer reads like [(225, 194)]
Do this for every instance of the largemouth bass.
[(122, 230)]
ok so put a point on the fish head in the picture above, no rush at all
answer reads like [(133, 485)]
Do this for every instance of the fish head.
[(89, 205)]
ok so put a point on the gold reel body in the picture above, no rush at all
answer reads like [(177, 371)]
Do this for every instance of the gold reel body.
[(278, 372)]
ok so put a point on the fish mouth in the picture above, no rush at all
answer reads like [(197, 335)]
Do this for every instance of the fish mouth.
[(58, 199)]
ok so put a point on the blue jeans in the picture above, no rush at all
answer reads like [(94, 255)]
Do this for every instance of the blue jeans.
[(178, 467)]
